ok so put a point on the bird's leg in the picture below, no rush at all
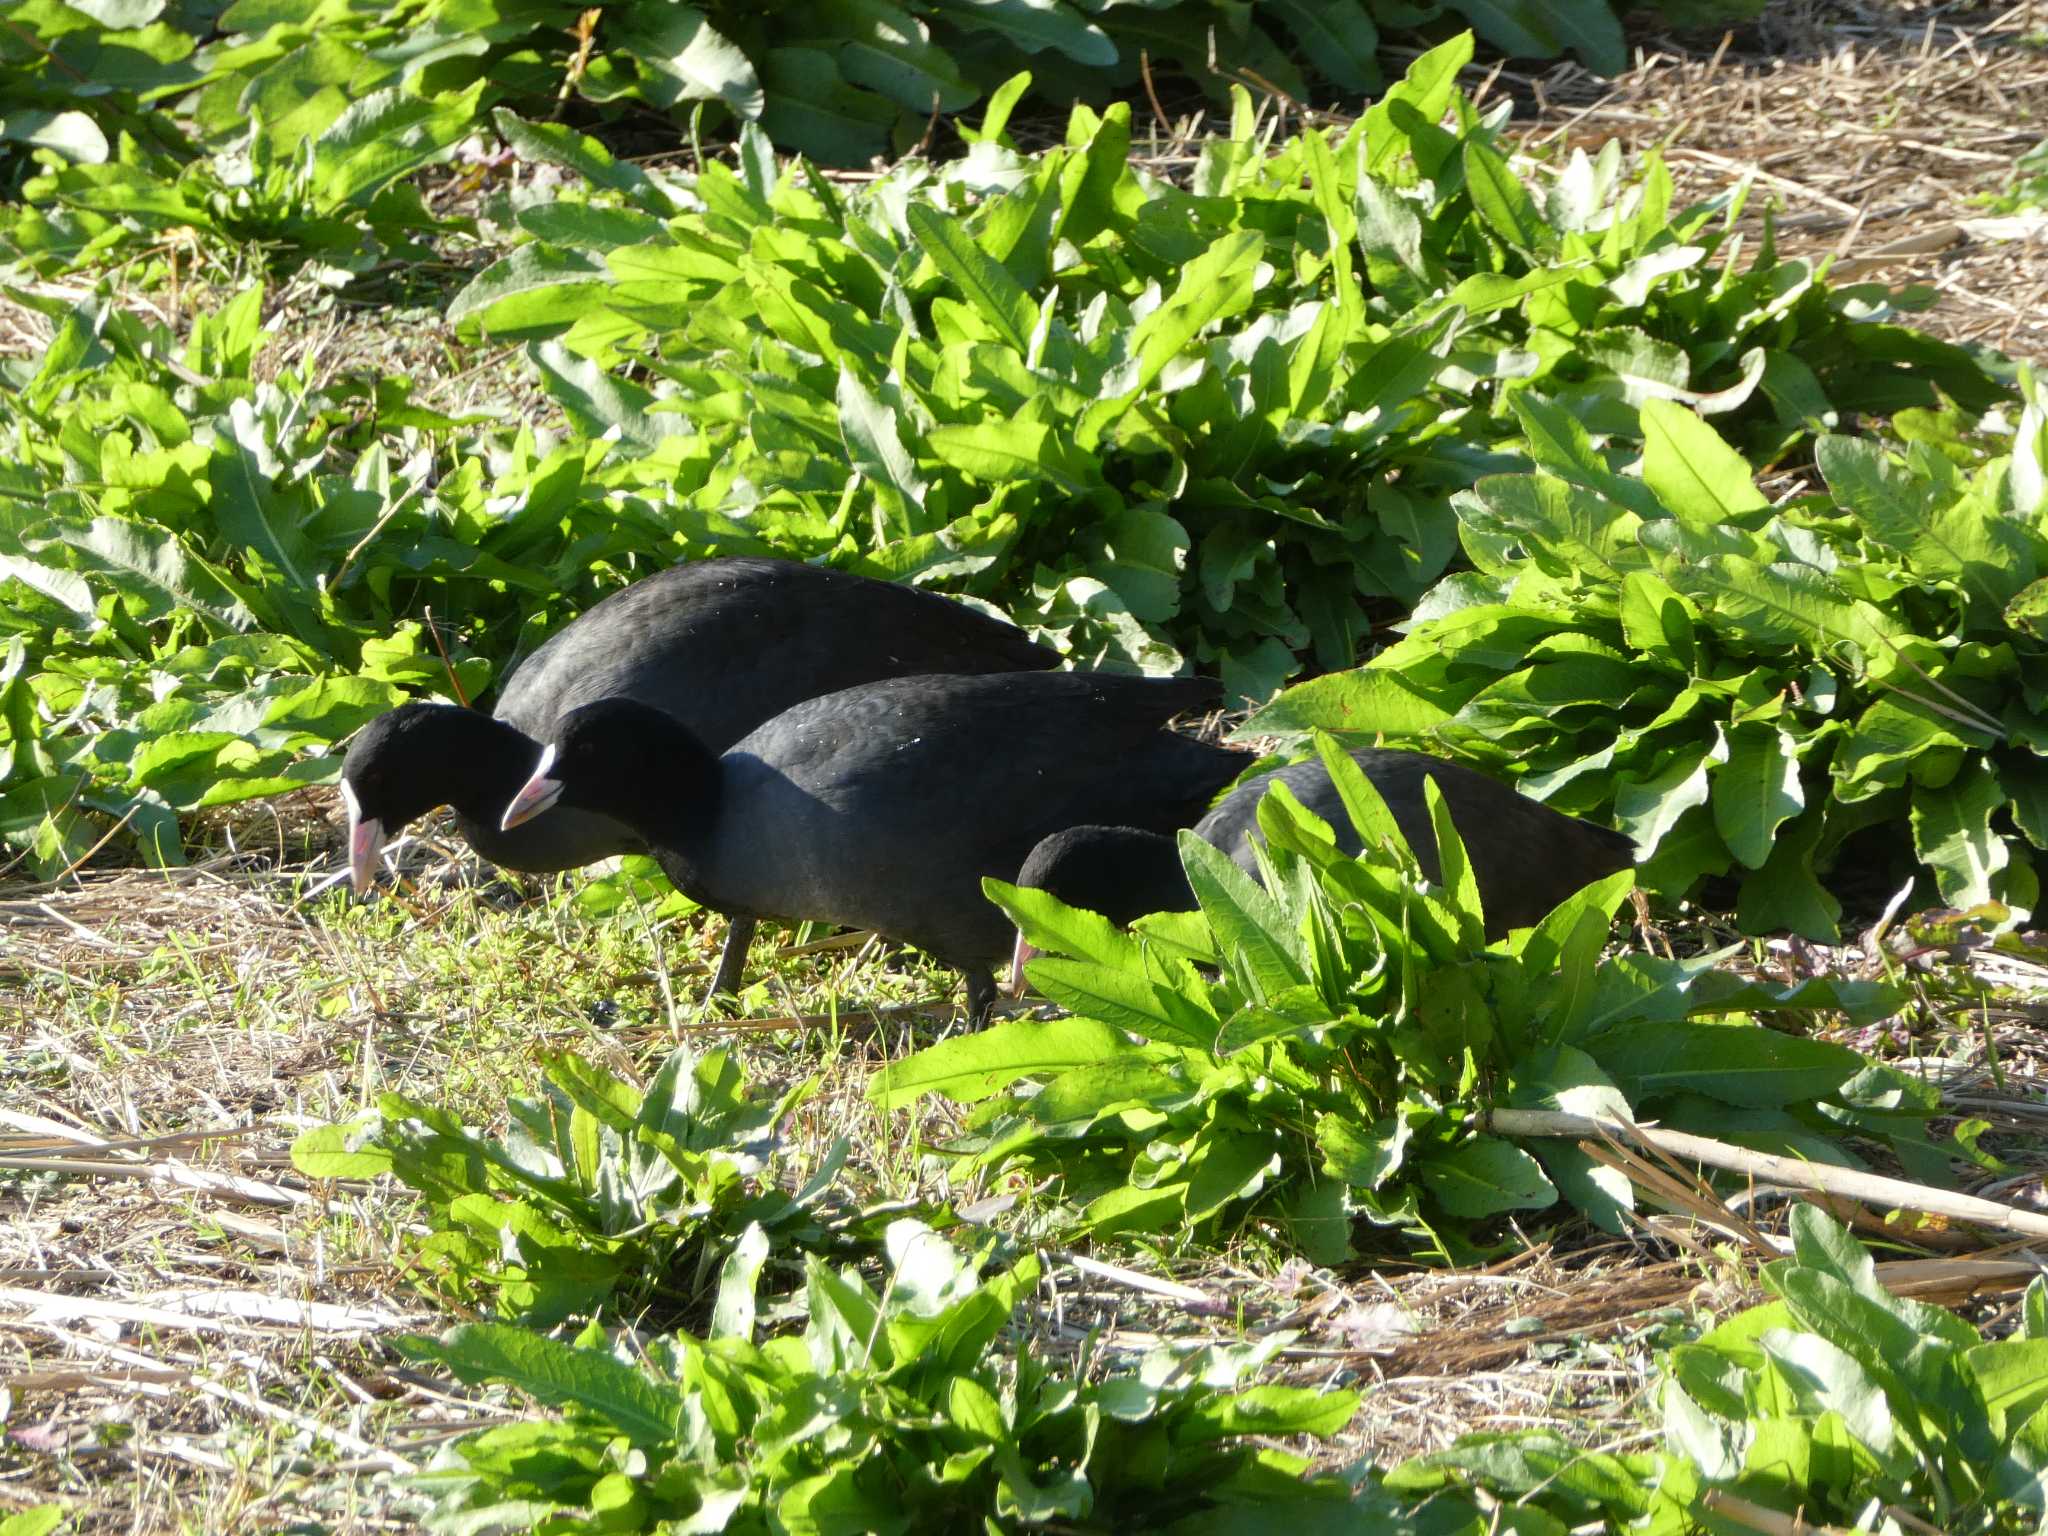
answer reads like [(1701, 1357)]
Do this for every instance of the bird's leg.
[(732, 960), (981, 994)]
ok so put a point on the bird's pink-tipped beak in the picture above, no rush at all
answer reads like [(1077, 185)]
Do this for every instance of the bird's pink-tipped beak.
[(535, 795), (1019, 953), (365, 842)]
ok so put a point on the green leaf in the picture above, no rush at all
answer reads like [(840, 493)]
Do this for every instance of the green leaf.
[(810, 106), (1215, 285), (973, 1067), (1128, 1000), (145, 563), (1694, 473), (1049, 923), (1952, 833), (2012, 1376), (40, 1520), (873, 443), (1088, 182), (1250, 927), (1355, 706), (1501, 200), (1483, 1177), (688, 60), (1036, 25), (600, 403), (1337, 38), (557, 144), (1273, 1410), (537, 291), (74, 135), (1756, 791), (886, 49), (339, 1152), (1959, 538), (1785, 893), (1738, 1064), (385, 135), (983, 282), (628, 1400), (997, 451), (1784, 604), (1360, 1157)]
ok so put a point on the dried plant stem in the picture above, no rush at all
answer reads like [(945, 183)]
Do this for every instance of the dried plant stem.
[(1872, 1188)]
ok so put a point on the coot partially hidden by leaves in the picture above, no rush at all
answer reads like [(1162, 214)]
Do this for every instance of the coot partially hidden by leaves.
[(883, 806), (720, 644), (1525, 857)]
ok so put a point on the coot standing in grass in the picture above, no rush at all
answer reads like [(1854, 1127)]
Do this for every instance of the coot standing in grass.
[(883, 806), (1525, 857), (721, 645)]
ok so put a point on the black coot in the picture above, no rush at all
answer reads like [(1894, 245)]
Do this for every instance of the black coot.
[(720, 644), (883, 806), (1525, 857)]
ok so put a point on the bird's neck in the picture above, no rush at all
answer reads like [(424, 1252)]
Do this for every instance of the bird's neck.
[(496, 761)]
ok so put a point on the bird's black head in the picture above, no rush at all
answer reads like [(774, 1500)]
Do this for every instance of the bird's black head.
[(628, 760), (1121, 872), (415, 757)]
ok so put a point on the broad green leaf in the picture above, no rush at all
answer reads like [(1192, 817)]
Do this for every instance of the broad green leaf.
[(600, 403), (249, 506), (2012, 1375), (1088, 182), (1250, 927), (1461, 886), (1420, 96), (1361, 1156), (1273, 1410), (1959, 538), (1215, 285), (1229, 1168), (1483, 1177), (1785, 604), (145, 563), (682, 57), (1952, 833), (810, 106), (998, 451), (1756, 790), (1785, 893), (733, 1315), (1694, 473), (873, 443), (385, 135), (1126, 999), (558, 1374), (1337, 38), (1894, 738), (536, 291), (886, 49), (973, 1067), (339, 1152), (74, 135), (1741, 1064), (1500, 198), (982, 281), (1356, 706), (557, 144), (1036, 25), (1049, 923), (1647, 808), (1143, 551)]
